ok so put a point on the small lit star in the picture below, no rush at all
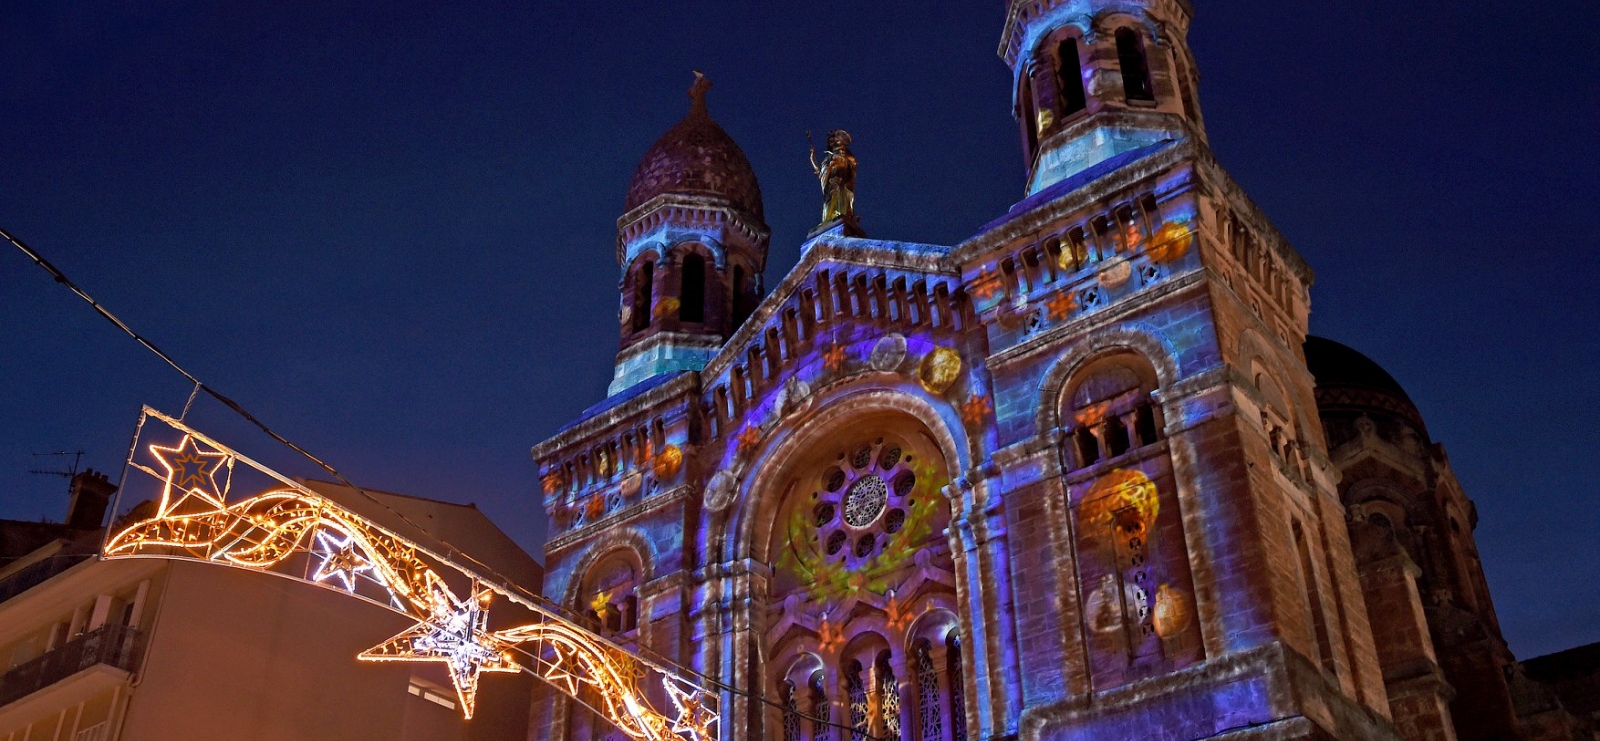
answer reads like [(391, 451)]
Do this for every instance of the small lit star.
[(833, 358), (191, 471), (1061, 305), (341, 559), (975, 410)]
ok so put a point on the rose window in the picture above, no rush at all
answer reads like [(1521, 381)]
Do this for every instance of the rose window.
[(866, 500), (863, 498)]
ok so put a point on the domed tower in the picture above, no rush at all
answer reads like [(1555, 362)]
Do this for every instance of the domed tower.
[(1094, 79), (692, 244), (1402, 498)]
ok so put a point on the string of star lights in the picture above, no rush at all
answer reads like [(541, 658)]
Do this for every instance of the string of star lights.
[(289, 530), (341, 546)]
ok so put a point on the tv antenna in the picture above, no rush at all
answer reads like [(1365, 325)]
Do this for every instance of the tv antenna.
[(77, 456)]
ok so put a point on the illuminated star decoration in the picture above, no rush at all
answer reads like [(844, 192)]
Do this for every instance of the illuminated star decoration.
[(833, 358), (341, 559), (1061, 305), (986, 285), (749, 438), (457, 637), (191, 471), (975, 410)]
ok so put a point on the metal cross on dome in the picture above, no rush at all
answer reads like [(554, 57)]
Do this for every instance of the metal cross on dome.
[(290, 530)]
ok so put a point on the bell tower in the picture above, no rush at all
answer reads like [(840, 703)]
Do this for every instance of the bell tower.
[(692, 244), (1094, 79)]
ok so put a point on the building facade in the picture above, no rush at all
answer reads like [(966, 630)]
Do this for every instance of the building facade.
[(145, 649), (1071, 478)]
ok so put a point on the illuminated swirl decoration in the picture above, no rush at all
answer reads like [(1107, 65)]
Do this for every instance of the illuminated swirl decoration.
[(294, 532)]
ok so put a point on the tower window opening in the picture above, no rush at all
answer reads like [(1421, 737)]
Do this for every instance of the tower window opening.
[(1135, 67), (1070, 73), (1186, 88), (740, 302), (1117, 437), (692, 296), (643, 290), (1313, 600), (1088, 447), (1144, 422), (1030, 134)]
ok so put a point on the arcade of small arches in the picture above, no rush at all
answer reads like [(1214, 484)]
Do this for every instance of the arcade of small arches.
[(874, 688), (680, 285)]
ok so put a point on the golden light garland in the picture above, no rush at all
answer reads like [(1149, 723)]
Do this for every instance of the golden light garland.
[(292, 527)]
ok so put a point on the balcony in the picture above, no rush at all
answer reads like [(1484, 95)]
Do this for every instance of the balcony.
[(38, 573), (112, 646)]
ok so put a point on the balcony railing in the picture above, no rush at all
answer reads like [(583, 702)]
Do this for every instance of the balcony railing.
[(35, 574), (113, 645)]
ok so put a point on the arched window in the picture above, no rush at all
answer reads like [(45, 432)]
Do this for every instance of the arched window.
[(1070, 77), (1308, 580), (741, 304), (692, 294), (611, 595), (1030, 132), (856, 689), (821, 724), (1135, 67), (791, 713), (643, 295), (958, 690), (1112, 413), (888, 698), (928, 714)]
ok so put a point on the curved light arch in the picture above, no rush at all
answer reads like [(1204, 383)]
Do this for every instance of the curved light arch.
[(277, 532)]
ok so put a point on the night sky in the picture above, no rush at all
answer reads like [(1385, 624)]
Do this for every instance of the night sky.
[(388, 229)]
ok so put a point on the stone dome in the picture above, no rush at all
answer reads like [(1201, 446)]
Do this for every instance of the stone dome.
[(1349, 383), (696, 157)]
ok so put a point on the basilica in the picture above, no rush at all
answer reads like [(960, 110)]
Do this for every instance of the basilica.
[(1083, 475)]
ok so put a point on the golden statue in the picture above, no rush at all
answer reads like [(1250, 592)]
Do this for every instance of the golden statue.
[(837, 174)]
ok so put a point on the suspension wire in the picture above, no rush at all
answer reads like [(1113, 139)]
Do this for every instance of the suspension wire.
[(61, 277), (508, 584)]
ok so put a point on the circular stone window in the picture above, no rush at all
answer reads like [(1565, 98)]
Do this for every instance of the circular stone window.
[(866, 501), (863, 503)]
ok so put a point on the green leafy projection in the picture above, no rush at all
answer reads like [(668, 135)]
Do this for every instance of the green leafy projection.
[(829, 580)]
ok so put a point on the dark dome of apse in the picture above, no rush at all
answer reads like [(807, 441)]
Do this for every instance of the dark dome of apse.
[(1350, 381), (696, 157)]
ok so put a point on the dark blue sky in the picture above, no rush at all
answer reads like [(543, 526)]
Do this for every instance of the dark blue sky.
[(389, 228)]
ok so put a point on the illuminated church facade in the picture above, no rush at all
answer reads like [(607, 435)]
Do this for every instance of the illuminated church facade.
[(1080, 476)]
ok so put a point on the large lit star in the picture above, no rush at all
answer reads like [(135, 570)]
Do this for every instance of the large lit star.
[(456, 636), (341, 559), (191, 472)]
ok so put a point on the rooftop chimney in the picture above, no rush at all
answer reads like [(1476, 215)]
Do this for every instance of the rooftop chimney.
[(91, 495)]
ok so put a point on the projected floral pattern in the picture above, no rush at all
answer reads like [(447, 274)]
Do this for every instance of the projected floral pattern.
[(870, 510)]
